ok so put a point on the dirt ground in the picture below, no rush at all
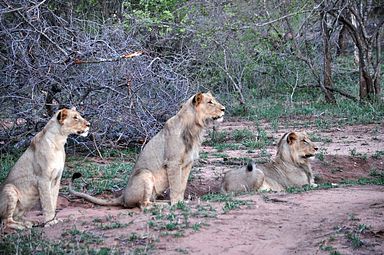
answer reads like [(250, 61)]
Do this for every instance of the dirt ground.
[(345, 219)]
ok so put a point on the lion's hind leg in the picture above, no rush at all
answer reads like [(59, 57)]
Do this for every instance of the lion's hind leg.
[(10, 197), (140, 190), (148, 183)]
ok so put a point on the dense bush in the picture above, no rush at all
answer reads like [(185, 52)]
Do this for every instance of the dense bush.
[(49, 61), (74, 53)]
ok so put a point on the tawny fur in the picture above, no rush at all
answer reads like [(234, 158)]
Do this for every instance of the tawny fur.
[(245, 179), (167, 159), (290, 168), (37, 173)]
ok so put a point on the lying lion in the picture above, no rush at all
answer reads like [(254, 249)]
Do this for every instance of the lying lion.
[(167, 159), (290, 168), (36, 175)]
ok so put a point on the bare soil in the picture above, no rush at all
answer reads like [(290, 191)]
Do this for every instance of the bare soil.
[(314, 222)]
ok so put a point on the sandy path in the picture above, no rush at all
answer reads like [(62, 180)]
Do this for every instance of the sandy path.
[(275, 223), (298, 224)]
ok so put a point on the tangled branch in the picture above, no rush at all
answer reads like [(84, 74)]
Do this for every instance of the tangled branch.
[(50, 59)]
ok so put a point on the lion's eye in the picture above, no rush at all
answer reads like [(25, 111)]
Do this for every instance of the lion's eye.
[(75, 117), (210, 102)]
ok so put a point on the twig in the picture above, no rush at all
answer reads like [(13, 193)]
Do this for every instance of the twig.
[(275, 20), (101, 60), (295, 86), (333, 90), (97, 148)]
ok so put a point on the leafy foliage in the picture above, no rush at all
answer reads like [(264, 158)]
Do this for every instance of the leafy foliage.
[(263, 59)]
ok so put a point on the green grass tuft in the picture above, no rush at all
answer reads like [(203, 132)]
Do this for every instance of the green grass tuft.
[(7, 161), (230, 203), (102, 177), (33, 241)]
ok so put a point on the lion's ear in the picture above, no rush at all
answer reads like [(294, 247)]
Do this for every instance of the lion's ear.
[(291, 137), (62, 115), (197, 99)]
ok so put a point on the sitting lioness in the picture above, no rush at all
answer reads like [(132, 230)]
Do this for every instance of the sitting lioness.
[(290, 168), (166, 160), (36, 175)]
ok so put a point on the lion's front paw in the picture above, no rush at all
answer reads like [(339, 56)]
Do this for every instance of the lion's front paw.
[(52, 222), (29, 224), (177, 201)]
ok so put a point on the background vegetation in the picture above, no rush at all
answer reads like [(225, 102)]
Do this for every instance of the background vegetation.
[(128, 65), (262, 59)]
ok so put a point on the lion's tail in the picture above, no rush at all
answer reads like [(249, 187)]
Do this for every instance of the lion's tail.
[(98, 201)]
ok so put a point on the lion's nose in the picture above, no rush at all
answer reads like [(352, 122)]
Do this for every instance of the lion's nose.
[(223, 109), (88, 124), (316, 148)]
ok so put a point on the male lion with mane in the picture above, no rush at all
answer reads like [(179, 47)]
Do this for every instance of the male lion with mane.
[(167, 159), (290, 168), (37, 173)]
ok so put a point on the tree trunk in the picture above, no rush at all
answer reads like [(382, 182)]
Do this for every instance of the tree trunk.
[(376, 78), (342, 42), (356, 51), (354, 21), (327, 68), (365, 77), (366, 81), (366, 84)]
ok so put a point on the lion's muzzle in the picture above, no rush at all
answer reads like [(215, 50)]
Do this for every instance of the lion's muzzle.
[(308, 155), (84, 132), (220, 117)]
